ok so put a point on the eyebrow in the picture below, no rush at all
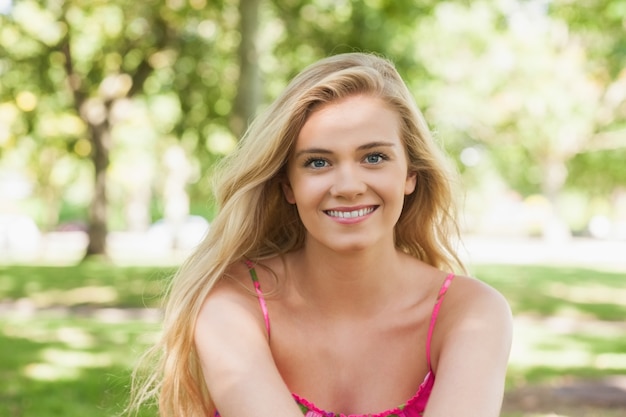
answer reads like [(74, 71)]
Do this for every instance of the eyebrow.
[(364, 147)]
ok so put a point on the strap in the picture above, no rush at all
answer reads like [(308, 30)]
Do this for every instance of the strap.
[(433, 317), (257, 288)]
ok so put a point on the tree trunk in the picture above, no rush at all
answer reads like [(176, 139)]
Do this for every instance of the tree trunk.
[(100, 144), (554, 177), (248, 94)]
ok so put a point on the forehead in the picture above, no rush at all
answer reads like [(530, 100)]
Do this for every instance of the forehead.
[(353, 119)]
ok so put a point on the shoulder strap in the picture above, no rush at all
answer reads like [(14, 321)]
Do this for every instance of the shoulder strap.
[(261, 297), (433, 317)]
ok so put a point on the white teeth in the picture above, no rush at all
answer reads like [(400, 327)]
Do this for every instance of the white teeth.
[(350, 214)]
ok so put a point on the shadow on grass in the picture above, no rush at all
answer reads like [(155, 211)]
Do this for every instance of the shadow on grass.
[(90, 283), (559, 291), (75, 360), (67, 368)]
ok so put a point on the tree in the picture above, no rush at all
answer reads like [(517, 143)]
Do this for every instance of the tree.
[(88, 59), (248, 96), (599, 27), (78, 77), (515, 83)]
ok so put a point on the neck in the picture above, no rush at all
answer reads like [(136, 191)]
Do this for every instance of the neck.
[(348, 282)]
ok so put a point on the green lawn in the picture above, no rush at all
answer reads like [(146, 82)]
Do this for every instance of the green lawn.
[(63, 366), (69, 341), (94, 284), (70, 335), (569, 321)]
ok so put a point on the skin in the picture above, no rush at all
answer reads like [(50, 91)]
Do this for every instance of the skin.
[(349, 332)]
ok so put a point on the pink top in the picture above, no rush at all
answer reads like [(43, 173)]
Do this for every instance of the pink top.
[(414, 407)]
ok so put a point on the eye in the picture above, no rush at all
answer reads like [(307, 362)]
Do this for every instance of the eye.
[(316, 163), (375, 158)]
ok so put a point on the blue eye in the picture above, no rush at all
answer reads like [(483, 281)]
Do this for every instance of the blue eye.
[(375, 158), (315, 163)]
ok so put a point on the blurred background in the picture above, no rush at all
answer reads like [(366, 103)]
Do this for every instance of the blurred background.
[(114, 113)]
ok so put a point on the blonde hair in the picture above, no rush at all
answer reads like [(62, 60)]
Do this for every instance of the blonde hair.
[(255, 221)]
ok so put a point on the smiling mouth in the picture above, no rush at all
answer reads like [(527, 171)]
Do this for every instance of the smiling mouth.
[(350, 214)]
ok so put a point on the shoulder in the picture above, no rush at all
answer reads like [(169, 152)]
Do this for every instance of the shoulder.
[(470, 350), (470, 295), (233, 349), (234, 299), (231, 299), (473, 315), (230, 311), (470, 301), (229, 331)]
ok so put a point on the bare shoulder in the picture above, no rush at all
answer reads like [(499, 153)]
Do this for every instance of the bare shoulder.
[(470, 295), (233, 348), (470, 350), (229, 335), (474, 314), (230, 301)]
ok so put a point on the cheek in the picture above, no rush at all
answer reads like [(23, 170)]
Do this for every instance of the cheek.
[(308, 192)]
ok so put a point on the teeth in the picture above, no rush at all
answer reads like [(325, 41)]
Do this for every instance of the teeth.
[(350, 214)]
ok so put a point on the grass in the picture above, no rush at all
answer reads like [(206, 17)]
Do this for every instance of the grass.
[(90, 283), (68, 342), (64, 366), (70, 335), (559, 291), (569, 321)]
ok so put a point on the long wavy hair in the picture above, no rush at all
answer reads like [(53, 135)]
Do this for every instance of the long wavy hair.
[(254, 220)]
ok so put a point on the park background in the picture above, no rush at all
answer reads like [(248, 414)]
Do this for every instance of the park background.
[(114, 113)]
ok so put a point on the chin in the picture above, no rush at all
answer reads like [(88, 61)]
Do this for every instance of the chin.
[(350, 247), (346, 244)]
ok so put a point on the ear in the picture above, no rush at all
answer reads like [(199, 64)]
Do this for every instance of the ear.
[(410, 183), (288, 191)]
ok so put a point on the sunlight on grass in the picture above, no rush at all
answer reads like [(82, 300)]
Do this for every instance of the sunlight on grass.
[(565, 349), (612, 361), (68, 366), (90, 283), (587, 414), (73, 358), (534, 345), (590, 293), (65, 364), (568, 322), (50, 372), (82, 295), (75, 337), (76, 358)]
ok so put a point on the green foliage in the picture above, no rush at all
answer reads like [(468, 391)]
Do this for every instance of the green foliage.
[(600, 24), (314, 29), (535, 85), (171, 59), (589, 171)]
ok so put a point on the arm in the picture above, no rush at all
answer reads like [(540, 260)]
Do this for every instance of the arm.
[(237, 363), (470, 352)]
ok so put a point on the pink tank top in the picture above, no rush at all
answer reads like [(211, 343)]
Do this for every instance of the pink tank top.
[(414, 407)]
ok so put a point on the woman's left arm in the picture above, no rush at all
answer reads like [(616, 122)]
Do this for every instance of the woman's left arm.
[(470, 351)]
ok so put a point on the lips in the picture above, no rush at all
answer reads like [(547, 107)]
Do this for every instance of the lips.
[(350, 214)]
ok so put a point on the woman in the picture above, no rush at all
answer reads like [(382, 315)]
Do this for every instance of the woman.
[(324, 286)]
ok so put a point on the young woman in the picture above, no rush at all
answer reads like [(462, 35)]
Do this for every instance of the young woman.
[(325, 286)]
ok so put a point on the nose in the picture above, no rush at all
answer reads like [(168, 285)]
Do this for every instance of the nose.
[(348, 182)]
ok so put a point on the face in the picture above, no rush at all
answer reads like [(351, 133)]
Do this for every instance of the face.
[(348, 174)]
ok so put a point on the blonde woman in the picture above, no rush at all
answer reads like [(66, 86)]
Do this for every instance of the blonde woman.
[(325, 286)]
